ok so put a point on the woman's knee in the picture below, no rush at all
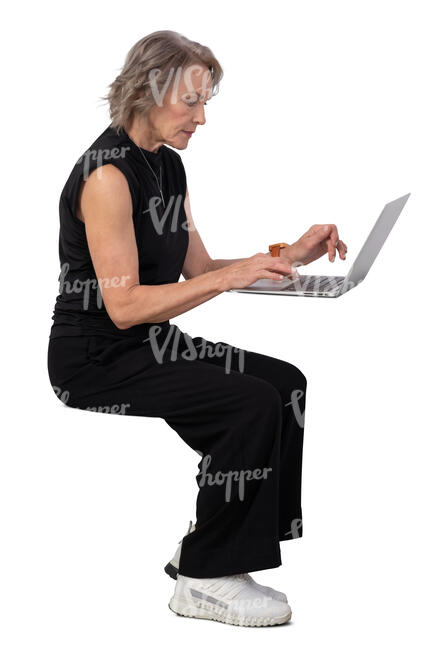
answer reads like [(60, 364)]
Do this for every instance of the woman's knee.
[(297, 379), (293, 378)]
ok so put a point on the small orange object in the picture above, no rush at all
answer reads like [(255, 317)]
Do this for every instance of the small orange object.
[(274, 249)]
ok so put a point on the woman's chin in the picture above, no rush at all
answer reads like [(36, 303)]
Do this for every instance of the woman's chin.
[(180, 144)]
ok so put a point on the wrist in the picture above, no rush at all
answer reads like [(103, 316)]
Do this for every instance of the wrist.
[(283, 250), (288, 253), (219, 279)]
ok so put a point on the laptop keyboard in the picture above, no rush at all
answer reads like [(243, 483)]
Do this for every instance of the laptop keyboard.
[(314, 283)]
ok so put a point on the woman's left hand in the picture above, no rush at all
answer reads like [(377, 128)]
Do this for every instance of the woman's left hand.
[(316, 242)]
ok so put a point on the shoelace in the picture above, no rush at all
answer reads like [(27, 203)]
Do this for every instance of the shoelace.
[(228, 587)]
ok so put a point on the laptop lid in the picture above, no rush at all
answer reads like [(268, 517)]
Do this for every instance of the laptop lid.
[(374, 243)]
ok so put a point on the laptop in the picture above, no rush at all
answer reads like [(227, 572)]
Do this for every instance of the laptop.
[(333, 286)]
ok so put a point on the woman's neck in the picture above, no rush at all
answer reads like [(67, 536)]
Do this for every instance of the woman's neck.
[(141, 135)]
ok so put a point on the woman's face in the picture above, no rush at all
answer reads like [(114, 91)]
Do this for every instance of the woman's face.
[(182, 108)]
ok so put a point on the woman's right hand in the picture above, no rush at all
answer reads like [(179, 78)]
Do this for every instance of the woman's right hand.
[(261, 265)]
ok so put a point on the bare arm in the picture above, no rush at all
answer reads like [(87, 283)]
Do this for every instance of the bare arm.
[(107, 213)]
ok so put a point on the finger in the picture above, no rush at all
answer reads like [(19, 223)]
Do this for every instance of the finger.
[(334, 233), (267, 275), (330, 249), (334, 240), (334, 236), (342, 248)]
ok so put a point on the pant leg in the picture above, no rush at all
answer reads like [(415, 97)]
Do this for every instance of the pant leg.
[(234, 420), (291, 384)]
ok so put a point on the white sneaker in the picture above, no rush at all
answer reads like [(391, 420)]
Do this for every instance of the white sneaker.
[(172, 569), (229, 599), (273, 593)]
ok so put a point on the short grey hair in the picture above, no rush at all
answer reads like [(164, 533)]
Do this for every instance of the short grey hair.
[(164, 51)]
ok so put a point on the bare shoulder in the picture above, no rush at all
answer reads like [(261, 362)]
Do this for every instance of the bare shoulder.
[(105, 186)]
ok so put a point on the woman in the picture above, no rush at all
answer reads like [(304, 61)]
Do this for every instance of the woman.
[(126, 236)]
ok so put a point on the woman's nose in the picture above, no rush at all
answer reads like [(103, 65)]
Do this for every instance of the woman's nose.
[(200, 114)]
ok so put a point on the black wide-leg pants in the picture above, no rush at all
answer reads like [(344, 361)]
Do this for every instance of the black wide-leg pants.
[(242, 411)]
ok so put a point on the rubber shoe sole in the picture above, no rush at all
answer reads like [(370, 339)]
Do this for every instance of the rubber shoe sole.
[(206, 610)]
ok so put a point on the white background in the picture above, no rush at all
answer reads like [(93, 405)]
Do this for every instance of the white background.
[(327, 111)]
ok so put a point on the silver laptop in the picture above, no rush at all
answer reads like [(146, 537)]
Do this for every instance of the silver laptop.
[(332, 286)]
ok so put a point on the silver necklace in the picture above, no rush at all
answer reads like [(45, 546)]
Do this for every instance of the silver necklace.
[(159, 184)]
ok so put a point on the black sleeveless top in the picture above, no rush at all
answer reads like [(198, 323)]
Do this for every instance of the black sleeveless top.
[(161, 232)]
